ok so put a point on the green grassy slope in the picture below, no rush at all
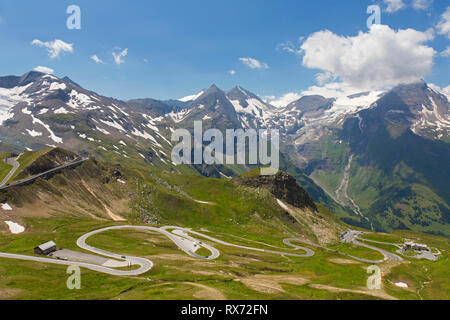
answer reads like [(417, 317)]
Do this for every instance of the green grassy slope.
[(62, 209), (4, 167), (396, 187), (26, 159)]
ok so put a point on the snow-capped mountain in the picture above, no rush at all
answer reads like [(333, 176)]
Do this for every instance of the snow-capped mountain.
[(212, 107), (419, 107), (426, 111), (390, 145), (416, 107), (191, 97), (39, 110), (252, 111)]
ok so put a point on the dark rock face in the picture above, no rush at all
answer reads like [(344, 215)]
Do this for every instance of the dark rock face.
[(14, 81), (55, 158), (157, 106), (283, 187), (214, 104)]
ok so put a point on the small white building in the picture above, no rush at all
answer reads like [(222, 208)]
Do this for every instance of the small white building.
[(45, 248), (416, 246)]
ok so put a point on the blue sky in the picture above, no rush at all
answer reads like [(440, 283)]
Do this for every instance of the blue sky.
[(177, 48)]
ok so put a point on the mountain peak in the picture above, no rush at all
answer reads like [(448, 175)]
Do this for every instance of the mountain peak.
[(239, 93), (67, 79), (213, 88), (30, 77), (414, 105), (311, 103), (417, 85)]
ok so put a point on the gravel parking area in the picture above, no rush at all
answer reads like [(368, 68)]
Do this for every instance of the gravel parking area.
[(79, 257)]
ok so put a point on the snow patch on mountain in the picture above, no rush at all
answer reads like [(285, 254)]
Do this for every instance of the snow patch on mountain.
[(177, 117), (47, 127), (57, 86), (113, 124), (61, 110), (191, 98), (105, 132), (145, 135), (9, 98), (15, 228), (34, 133), (432, 119), (352, 104), (79, 100), (6, 207)]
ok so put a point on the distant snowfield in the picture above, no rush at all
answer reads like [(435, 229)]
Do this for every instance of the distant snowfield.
[(285, 207), (6, 207), (15, 228), (47, 127), (191, 98), (204, 202), (8, 99), (57, 86), (34, 133), (401, 285)]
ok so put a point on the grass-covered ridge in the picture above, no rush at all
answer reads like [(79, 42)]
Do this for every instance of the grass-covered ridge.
[(4, 167), (73, 202), (26, 159)]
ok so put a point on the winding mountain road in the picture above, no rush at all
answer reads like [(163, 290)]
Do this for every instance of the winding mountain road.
[(180, 236), (17, 183), (13, 162), (183, 240), (352, 236), (309, 252)]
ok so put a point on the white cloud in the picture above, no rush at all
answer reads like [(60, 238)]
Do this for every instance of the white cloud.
[(284, 100), (443, 26), (97, 59), (324, 77), (422, 4), (267, 99), (55, 47), (394, 5), (346, 97), (146, 60), (253, 63), (445, 91), (332, 90), (232, 72), (379, 58), (446, 52), (118, 56), (44, 69), (287, 46)]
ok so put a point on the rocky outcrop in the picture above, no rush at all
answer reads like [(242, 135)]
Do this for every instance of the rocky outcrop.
[(48, 161), (283, 187)]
